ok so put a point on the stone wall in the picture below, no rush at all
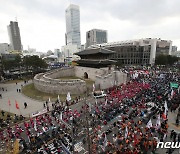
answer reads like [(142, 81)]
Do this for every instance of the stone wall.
[(92, 72), (104, 78), (47, 82), (114, 78), (62, 72)]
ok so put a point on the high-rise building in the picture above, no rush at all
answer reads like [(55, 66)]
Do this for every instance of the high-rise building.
[(73, 36), (4, 48), (14, 36), (96, 36)]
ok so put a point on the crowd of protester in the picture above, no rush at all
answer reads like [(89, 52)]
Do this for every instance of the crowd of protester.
[(7, 119), (138, 102), (131, 119)]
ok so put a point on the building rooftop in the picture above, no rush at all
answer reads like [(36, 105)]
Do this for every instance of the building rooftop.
[(91, 51), (126, 42)]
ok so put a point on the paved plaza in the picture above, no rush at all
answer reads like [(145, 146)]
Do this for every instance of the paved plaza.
[(12, 95)]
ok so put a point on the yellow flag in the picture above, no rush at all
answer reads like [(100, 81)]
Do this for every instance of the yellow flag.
[(16, 147)]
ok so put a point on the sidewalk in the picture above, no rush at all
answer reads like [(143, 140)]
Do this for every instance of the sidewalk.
[(12, 95)]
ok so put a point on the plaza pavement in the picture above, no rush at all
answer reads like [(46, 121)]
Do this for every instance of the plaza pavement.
[(12, 95), (33, 105)]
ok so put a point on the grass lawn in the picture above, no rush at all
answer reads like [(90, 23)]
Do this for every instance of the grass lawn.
[(30, 91)]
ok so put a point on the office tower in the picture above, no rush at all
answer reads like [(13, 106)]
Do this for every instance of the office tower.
[(73, 25), (14, 36), (96, 36)]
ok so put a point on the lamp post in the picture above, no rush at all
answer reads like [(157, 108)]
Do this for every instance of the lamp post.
[(87, 125), (72, 127)]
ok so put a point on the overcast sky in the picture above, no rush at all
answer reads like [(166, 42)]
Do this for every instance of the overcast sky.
[(42, 22)]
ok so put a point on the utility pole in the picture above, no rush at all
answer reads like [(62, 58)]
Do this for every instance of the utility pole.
[(72, 135), (87, 126)]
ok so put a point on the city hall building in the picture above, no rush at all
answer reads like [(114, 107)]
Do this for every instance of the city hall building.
[(131, 52)]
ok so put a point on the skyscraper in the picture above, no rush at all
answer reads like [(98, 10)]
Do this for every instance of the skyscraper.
[(14, 36), (96, 36), (73, 36)]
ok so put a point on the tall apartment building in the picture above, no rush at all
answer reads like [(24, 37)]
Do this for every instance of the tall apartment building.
[(73, 36), (14, 36), (96, 36)]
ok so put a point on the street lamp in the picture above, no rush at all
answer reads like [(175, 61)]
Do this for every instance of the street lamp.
[(87, 125)]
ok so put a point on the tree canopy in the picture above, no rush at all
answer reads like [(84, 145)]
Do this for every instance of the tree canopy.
[(32, 62), (166, 60)]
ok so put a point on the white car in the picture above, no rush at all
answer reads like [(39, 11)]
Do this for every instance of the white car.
[(99, 94)]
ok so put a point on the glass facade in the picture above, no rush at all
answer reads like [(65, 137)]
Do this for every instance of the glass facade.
[(96, 36), (73, 25), (131, 54), (101, 37)]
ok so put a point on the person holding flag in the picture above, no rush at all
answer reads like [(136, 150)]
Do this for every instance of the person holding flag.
[(35, 125), (126, 133), (158, 122), (149, 124), (68, 98), (61, 116), (164, 115), (172, 93)]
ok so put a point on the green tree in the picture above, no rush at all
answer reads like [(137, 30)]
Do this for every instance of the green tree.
[(9, 64), (166, 60), (35, 63), (161, 60)]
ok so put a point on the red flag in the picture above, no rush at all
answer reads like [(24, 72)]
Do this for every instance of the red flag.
[(17, 105), (9, 103), (164, 116)]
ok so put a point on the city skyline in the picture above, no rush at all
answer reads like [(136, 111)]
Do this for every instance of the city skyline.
[(42, 23)]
